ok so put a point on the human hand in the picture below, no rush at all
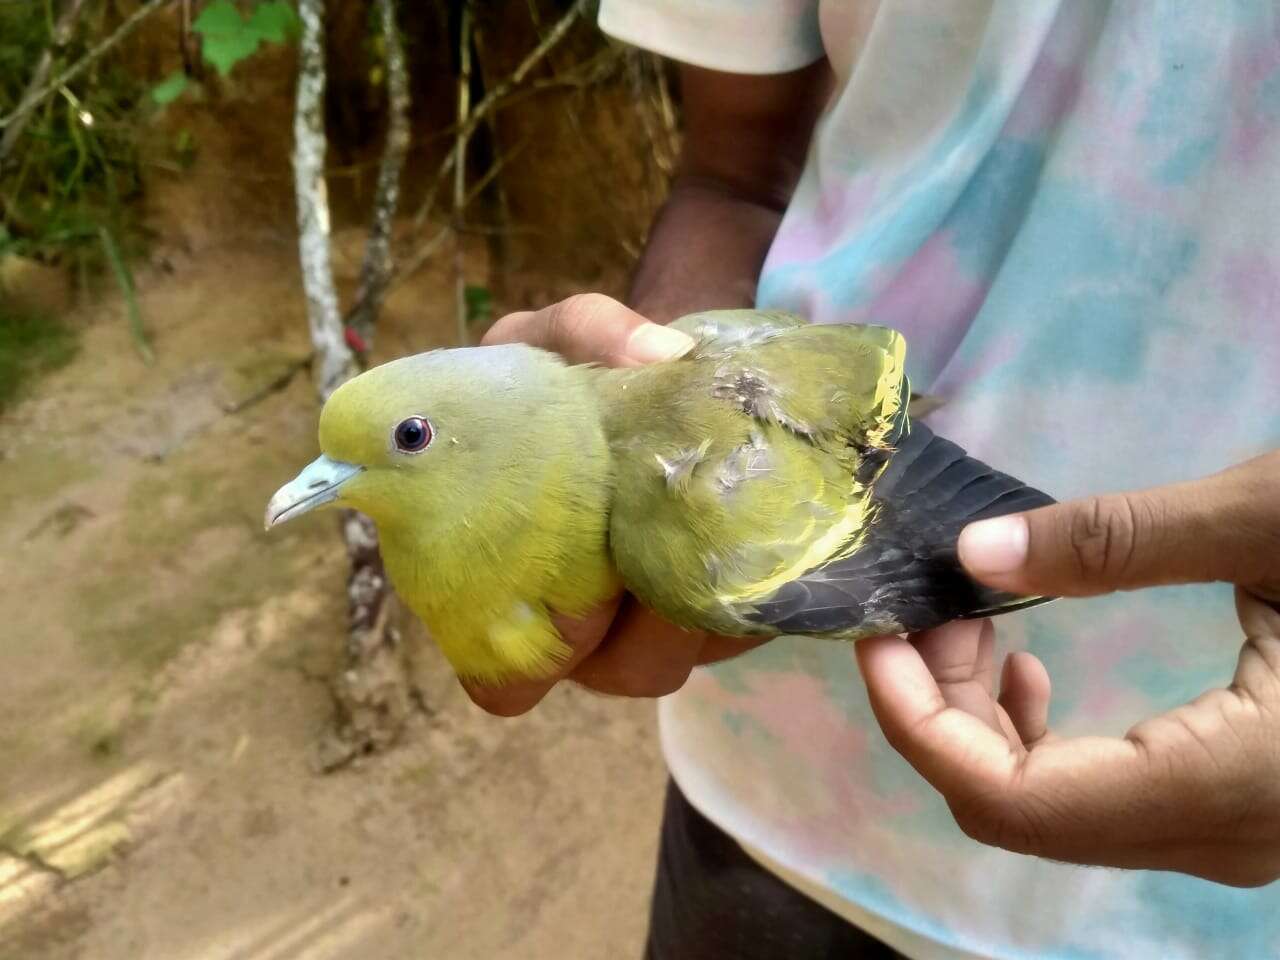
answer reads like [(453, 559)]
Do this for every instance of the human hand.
[(1194, 790), (622, 647)]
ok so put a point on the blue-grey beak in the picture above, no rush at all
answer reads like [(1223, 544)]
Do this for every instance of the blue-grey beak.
[(319, 483)]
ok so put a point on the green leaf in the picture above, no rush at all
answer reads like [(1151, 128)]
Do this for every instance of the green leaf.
[(479, 303), (229, 38), (226, 36), (170, 88), (275, 21), (220, 18)]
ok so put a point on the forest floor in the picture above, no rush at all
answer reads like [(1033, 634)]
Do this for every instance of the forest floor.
[(163, 678)]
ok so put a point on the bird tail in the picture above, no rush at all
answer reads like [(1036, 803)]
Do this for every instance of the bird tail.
[(929, 491)]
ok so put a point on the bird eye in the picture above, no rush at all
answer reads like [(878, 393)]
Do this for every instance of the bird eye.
[(412, 435)]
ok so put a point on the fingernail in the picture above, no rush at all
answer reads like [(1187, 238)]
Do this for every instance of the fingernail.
[(998, 545), (652, 343)]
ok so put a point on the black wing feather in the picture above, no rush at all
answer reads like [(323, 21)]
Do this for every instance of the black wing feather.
[(906, 575)]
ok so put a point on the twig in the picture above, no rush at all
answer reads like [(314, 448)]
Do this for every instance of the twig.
[(33, 100), (375, 272), (491, 100), (62, 32), (636, 65), (500, 229), (588, 73), (410, 265), (496, 245), (460, 170), (189, 44), (423, 254), (667, 109)]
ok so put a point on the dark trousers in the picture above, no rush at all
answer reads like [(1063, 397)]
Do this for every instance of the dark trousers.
[(713, 902)]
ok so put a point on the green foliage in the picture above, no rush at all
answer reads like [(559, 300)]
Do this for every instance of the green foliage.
[(275, 21), (479, 304), (29, 345), (75, 169), (170, 88), (124, 279), (228, 36), (68, 188)]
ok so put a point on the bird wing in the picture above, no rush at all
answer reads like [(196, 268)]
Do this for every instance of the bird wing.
[(767, 480), (782, 509), (905, 574), (840, 384)]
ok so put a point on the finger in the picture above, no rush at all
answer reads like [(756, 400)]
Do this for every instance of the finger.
[(1258, 668), (592, 328), (1096, 800), (952, 749), (1024, 694), (583, 635), (987, 782), (958, 656), (1259, 616), (1006, 726), (1224, 527), (642, 656), (717, 647)]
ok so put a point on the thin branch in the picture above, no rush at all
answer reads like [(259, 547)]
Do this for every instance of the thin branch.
[(644, 97), (423, 254), (63, 30), (491, 174), (491, 100), (460, 170), (376, 271), (413, 263), (667, 109), (34, 99), (588, 73), (497, 248)]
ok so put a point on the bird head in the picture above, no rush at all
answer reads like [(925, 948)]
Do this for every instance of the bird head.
[(416, 439)]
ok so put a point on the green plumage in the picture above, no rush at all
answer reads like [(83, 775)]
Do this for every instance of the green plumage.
[(735, 489)]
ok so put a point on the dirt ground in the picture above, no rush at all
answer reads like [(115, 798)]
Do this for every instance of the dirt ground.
[(162, 677)]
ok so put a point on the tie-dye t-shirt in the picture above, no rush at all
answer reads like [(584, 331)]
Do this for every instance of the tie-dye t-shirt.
[(1072, 211)]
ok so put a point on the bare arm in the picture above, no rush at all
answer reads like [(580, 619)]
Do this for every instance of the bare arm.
[(746, 138)]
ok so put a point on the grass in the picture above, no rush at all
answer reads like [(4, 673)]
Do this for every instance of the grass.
[(69, 190), (30, 345)]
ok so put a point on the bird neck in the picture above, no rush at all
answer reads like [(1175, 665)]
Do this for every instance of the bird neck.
[(531, 536)]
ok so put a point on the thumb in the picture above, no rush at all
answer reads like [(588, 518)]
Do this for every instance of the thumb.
[(1224, 527), (592, 328)]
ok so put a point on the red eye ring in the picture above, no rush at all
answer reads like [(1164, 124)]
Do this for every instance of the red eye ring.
[(412, 435)]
